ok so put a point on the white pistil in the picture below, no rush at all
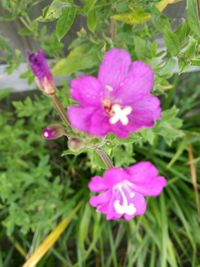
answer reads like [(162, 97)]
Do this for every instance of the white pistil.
[(120, 114), (124, 208), (109, 88)]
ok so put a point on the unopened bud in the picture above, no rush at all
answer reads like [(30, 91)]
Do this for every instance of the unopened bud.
[(53, 132), (43, 76), (75, 144)]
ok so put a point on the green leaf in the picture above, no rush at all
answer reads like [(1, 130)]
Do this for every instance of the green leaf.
[(80, 58), (54, 11), (138, 15), (65, 22), (195, 62), (140, 47), (88, 6), (92, 20), (193, 19), (171, 42), (169, 126)]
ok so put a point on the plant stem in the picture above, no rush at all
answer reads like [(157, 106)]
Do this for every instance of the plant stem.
[(60, 109), (105, 158)]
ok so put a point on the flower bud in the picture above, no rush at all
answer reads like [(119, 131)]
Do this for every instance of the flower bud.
[(43, 76), (75, 144), (53, 131)]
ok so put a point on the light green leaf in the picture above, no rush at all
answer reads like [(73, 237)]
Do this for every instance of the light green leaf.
[(65, 22), (193, 19), (80, 58), (89, 5), (92, 20), (55, 10), (169, 126), (139, 15), (171, 42)]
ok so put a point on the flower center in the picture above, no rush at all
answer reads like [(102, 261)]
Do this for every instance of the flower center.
[(120, 114), (123, 207)]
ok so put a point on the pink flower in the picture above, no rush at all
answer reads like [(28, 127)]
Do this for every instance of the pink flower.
[(122, 191), (118, 101)]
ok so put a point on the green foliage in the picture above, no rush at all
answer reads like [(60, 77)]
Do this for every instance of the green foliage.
[(40, 181), (81, 57)]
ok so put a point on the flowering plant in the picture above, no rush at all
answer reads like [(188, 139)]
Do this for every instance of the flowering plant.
[(115, 75), (119, 102)]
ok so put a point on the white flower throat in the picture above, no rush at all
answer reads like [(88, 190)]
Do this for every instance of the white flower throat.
[(124, 207), (115, 111)]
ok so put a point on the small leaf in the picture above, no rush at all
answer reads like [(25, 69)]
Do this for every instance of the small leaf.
[(171, 42), (92, 20), (82, 57), (54, 11), (65, 22), (193, 19), (169, 126)]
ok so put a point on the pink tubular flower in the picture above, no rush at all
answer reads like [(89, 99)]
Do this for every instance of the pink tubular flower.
[(118, 101), (123, 190), (40, 68)]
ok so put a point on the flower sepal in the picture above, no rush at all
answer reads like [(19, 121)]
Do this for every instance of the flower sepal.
[(53, 131)]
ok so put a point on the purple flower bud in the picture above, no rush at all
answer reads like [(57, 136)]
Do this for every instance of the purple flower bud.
[(53, 132), (40, 68)]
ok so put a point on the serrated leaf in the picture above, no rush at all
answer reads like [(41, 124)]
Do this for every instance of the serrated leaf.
[(65, 22), (148, 135), (82, 57), (171, 42), (169, 126)]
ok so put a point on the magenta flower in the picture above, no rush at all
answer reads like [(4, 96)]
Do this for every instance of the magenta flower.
[(118, 101), (122, 191), (40, 68)]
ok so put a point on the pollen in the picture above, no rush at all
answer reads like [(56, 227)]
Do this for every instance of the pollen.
[(120, 114)]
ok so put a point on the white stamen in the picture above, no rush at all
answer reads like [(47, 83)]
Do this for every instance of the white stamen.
[(124, 208), (120, 114), (46, 134), (109, 88)]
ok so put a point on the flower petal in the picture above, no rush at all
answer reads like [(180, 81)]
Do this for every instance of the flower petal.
[(114, 67), (97, 184), (87, 90), (144, 113), (100, 199), (140, 172), (99, 124), (114, 176), (121, 131), (80, 117), (140, 205), (137, 84), (144, 179)]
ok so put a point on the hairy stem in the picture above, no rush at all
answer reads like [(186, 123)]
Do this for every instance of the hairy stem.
[(105, 158), (60, 109)]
